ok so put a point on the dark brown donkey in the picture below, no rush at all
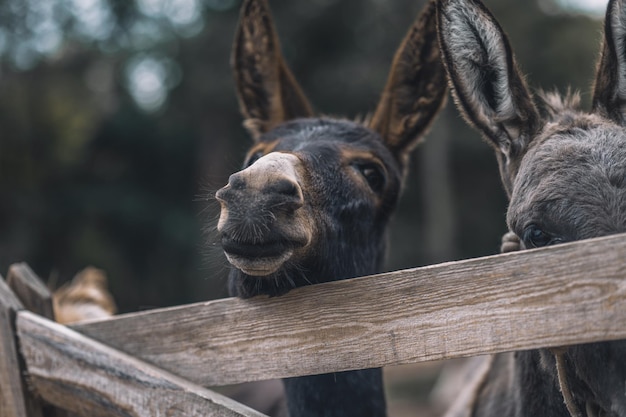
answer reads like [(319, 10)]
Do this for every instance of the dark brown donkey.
[(565, 173), (314, 199)]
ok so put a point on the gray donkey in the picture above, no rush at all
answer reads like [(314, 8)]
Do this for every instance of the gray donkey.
[(565, 174)]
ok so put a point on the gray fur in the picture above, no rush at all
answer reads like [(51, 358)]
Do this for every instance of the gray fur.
[(572, 178), (565, 174)]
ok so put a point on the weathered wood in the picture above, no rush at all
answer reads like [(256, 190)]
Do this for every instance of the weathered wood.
[(15, 400), (31, 291), (74, 372), (567, 294), (36, 297)]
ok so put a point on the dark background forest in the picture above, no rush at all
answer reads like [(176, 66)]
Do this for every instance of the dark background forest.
[(118, 121)]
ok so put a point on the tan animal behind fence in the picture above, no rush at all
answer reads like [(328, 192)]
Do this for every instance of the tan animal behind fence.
[(86, 297)]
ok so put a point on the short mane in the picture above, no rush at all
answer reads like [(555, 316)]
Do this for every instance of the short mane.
[(559, 108)]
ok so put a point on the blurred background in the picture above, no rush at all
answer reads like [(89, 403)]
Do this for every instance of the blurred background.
[(118, 121)]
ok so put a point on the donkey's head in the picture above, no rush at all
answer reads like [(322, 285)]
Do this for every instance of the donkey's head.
[(315, 195), (563, 169)]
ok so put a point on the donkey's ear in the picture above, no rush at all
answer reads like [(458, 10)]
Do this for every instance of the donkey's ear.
[(487, 86), (268, 93), (416, 88), (609, 97)]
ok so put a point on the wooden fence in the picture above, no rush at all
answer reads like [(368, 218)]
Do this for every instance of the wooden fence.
[(155, 363)]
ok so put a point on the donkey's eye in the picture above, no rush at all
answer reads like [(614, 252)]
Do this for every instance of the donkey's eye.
[(535, 237), (374, 176), (253, 158)]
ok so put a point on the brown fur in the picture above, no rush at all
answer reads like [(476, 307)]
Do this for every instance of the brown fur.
[(413, 94), (85, 297), (258, 63)]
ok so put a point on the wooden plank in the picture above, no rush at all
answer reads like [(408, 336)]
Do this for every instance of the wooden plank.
[(15, 400), (566, 294), (36, 297), (74, 372), (31, 291)]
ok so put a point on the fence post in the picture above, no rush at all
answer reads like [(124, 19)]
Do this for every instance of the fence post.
[(36, 297), (15, 399), (30, 290)]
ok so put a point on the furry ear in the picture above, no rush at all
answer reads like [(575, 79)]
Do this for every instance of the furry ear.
[(268, 93), (488, 88), (609, 97), (416, 88)]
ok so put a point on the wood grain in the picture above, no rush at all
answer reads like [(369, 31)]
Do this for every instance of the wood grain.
[(15, 400), (36, 297), (31, 291), (73, 372), (567, 294)]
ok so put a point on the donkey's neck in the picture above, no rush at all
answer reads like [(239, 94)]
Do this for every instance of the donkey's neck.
[(523, 384), (341, 394), (540, 394)]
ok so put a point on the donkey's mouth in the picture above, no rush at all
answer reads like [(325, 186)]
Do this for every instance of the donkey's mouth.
[(258, 259), (259, 266), (254, 250)]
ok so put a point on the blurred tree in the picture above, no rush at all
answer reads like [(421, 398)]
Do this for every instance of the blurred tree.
[(118, 120)]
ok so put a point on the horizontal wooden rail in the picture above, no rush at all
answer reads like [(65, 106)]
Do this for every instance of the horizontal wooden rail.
[(76, 373), (567, 294)]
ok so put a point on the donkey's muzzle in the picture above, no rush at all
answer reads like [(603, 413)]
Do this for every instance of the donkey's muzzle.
[(272, 183), (262, 220)]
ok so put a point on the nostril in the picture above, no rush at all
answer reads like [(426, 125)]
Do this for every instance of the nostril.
[(284, 187), (219, 194), (285, 194), (224, 193), (236, 182)]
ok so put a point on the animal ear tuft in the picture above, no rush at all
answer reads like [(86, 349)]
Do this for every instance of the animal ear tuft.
[(609, 97), (268, 93), (488, 88), (416, 88)]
